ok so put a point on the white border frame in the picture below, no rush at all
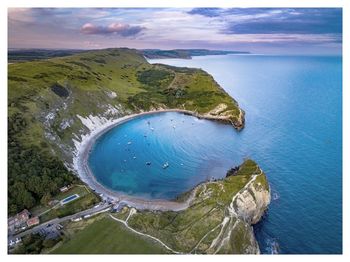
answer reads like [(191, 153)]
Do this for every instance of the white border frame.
[(345, 4)]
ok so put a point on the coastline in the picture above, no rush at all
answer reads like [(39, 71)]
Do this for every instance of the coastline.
[(83, 148)]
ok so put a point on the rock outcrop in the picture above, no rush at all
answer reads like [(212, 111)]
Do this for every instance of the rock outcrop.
[(253, 201)]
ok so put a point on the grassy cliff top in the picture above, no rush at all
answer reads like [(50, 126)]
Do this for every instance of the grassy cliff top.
[(91, 82), (203, 227)]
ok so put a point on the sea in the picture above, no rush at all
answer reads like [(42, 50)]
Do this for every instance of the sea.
[(293, 130)]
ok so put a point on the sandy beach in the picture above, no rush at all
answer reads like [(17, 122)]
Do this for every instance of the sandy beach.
[(82, 168)]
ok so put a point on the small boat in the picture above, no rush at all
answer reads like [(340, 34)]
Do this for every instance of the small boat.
[(152, 128), (174, 127), (134, 157), (181, 164), (166, 165), (129, 143), (148, 163)]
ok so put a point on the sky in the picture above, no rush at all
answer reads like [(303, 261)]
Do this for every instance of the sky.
[(257, 30)]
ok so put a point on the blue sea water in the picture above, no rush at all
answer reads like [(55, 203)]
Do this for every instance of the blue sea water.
[(293, 131)]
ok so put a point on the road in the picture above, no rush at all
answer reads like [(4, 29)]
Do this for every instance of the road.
[(56, 221)]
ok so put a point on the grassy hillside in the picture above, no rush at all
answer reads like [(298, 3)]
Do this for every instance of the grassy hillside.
[(45, 97), (22, 55), (195, 228), (106, 236), (209, 225)]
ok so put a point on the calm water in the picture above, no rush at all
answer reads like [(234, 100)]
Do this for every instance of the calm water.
[(293, 130)]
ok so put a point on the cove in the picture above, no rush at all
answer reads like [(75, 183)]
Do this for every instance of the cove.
[(161, 155)]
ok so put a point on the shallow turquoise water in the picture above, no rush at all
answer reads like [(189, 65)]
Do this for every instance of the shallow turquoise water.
[(293, 131)]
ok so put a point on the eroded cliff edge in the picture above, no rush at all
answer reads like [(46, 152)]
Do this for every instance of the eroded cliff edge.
[(218, 220)]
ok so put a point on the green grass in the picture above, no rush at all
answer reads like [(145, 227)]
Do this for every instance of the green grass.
[(86, 200), (81, 190), (182, 230), (106, 236)]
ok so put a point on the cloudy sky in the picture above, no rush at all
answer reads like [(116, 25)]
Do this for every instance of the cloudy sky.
[(291, 31)]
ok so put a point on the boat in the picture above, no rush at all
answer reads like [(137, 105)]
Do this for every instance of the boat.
[(129, 143), (148, 163), (134, 157), (166, 165), (152, 128)]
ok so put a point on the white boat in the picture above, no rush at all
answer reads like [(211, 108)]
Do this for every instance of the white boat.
[(166, 165), (129, 143), (152, 128)]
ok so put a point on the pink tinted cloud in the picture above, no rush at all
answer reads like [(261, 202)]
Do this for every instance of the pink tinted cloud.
[(114, 28)]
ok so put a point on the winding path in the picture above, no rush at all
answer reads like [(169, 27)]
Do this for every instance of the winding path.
[(125, 223), (216, 242)]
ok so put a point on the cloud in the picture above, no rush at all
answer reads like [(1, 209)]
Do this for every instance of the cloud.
[(292, 21), (114, 28), (245, 29)]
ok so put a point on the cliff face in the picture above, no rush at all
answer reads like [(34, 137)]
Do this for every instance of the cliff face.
[(219, 218), (246, 208), (251, 203)]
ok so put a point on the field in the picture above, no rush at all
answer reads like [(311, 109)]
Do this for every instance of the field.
[(106, 236)]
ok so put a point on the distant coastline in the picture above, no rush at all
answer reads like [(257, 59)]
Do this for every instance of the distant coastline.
[(185, 53)]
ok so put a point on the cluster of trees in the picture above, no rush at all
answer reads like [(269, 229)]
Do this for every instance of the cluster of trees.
[(155, 78), (35, 243), (34, 175)]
